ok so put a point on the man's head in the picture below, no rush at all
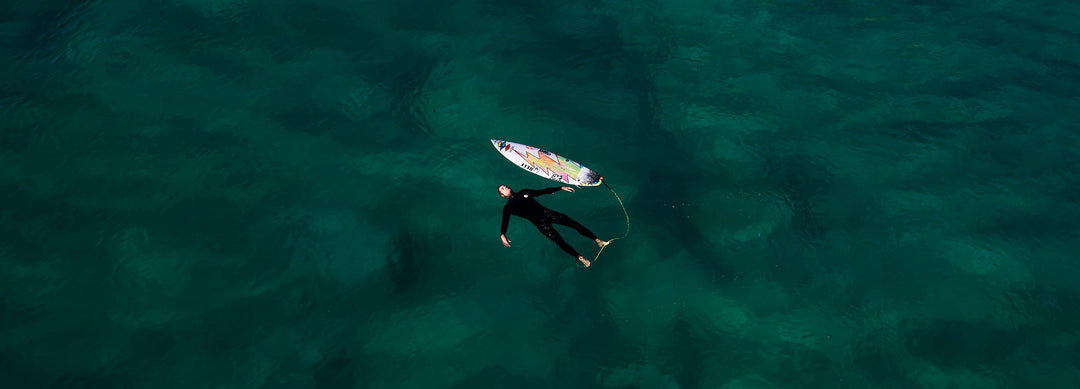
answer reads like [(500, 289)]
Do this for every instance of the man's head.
[(505, 191)]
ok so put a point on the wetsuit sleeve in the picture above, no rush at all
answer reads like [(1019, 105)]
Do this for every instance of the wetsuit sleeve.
[(544, 191), (505, 219)]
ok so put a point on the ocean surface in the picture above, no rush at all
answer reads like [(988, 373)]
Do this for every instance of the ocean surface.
[(302, 194)]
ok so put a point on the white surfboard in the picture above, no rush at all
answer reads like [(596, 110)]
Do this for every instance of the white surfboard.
[(547, 164)]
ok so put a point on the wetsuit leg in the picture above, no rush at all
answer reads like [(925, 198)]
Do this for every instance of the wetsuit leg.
[(559, 218), (549, 231)]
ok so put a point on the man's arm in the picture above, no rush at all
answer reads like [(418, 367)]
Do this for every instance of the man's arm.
[(505, 219), (540, 192), (505, 223)]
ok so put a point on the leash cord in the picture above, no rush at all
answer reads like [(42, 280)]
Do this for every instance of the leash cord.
[(624, 213)]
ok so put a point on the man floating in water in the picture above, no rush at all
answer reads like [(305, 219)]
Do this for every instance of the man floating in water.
[(523, 203)]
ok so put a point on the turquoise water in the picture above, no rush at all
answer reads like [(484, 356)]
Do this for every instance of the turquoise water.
[(288, 194)]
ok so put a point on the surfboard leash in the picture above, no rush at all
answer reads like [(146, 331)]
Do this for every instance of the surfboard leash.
[(624, 213)]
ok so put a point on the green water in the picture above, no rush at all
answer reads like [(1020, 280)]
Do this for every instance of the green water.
[(289, 194)]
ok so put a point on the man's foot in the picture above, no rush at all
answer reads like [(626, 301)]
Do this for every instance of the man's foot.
[(602, 243), (584, 261)]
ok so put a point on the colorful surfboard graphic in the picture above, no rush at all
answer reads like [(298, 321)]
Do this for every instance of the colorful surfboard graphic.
[(547, 164)]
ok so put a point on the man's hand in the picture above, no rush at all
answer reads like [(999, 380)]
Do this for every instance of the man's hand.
[(506, 242), (568, 189)]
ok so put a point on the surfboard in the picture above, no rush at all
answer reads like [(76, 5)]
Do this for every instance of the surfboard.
[(547, 164)]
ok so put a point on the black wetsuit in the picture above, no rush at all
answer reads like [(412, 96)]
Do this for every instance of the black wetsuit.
[(523, 203)]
